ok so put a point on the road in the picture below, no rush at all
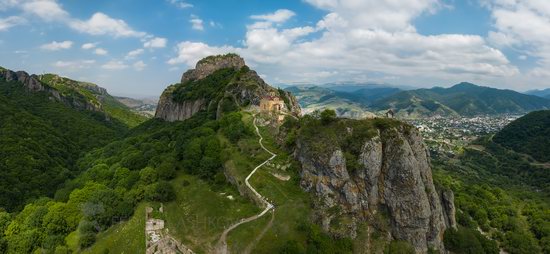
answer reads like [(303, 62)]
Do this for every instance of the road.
[(222, 242)]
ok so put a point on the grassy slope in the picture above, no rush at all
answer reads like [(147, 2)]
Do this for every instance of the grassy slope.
[(292, 207), (199, 214), (126, 237)]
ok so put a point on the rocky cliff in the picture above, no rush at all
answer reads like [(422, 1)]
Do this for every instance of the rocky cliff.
[(216, 84), (34, 83), (375, 172)]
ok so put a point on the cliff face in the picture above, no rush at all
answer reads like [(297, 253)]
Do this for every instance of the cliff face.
[(244, 87), (33, 84), (392, 184)]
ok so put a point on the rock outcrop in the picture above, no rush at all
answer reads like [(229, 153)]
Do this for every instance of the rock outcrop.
[(33, 83), (392, 182), (210, 64), (244, 88)]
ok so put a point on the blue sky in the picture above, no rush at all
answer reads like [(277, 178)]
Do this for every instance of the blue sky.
[(138, 47)]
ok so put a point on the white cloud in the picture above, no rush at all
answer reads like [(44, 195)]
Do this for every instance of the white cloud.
[(156, 42), (134, 53), (523, 26), (9, 22), (48, 10), (89, 45), (279, 16), (139, 65), (101, 24), (100, 52), (191, 52), (214, 24), (357, 39), (54, 45), (78, 64), (180, 4), (114, 65), (196, 23)]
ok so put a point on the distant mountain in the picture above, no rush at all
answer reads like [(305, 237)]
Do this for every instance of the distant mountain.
[(146, 107), (529, 134), (352, 87), (462, 99), (545, 93), (347, 101)]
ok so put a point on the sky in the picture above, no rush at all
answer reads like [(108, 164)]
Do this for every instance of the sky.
[(139, 47)]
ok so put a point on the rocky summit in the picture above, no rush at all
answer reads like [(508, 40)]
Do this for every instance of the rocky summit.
[(218, 84)]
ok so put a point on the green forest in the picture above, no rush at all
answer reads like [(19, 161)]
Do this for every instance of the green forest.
[(497, 192), (529, 135), (42, 140)]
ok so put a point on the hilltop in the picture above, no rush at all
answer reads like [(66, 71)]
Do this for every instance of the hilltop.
[(218, 84), (76, 94), (463, 99), (529, 134)]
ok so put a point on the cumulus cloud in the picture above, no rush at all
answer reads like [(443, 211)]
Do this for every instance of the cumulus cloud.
[(100, 52), (278, 16), (89, 45), (102, 24), (180, 4), (156, 42), (54, 45), (77, 64), (356, 39), (49, 10), (114, 65), (191, 52), (139, 65), (524, 25), (134, 53), (9, 22), (196, 23)]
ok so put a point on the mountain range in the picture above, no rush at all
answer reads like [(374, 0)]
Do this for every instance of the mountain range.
[(228, 163), (464, 99), (544, 93)]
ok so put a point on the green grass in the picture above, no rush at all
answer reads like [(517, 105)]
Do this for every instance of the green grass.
[(200, 214), (292, 203), (125, 237)]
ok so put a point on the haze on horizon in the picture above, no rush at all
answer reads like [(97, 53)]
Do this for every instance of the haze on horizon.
[(137, 48)]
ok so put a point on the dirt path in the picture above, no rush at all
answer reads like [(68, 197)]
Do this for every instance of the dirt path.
[(222, 242), (260, 236)]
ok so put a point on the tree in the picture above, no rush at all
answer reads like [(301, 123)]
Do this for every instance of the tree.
[(148, 175), (328, 116), (161, 191)]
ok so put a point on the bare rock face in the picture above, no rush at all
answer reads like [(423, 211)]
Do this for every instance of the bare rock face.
[(171, 111), (394, 178), (247, 89)]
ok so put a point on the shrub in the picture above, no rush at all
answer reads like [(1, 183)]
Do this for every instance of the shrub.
[(328, 116)]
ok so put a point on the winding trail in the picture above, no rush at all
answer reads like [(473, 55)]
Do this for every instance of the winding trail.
[(222, 242)]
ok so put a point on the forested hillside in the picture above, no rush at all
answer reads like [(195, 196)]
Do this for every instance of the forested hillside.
[(464, 99), (85, 92), (500, 193), (529, 134), (41, 141)]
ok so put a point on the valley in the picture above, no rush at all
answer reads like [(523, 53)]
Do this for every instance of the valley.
[(230, 164)]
